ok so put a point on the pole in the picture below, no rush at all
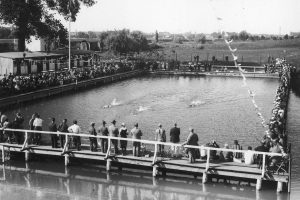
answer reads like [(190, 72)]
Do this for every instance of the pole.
[(70, 35)]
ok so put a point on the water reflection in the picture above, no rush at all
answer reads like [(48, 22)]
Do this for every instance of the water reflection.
[(54, 181)]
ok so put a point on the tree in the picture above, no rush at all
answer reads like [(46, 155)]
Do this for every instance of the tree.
[(81, 34), (156, 36), (243, 35), (286, 36), (36, 17)]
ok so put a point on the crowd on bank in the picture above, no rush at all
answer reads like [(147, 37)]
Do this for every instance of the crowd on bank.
[(278, 120), (12, 84)]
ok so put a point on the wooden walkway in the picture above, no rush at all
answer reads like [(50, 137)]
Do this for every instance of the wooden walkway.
[(207, 167)]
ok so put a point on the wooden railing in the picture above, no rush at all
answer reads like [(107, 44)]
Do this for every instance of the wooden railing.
[(151, 142)]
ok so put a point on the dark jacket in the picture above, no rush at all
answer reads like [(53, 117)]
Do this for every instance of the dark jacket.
[(63, 127), (92, 131), (52, 127), (192, 139), (103, 130), (174, 135)]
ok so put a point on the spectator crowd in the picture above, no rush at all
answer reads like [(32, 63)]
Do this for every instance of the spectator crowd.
[(12, 84)]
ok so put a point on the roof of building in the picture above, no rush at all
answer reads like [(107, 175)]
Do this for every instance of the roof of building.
[(28, 54)]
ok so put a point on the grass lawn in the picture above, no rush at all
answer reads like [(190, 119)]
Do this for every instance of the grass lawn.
[(248, 51)]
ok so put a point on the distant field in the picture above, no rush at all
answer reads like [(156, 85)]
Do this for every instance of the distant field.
[(248, 51)]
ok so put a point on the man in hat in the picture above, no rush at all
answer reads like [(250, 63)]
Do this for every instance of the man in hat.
[(160, 135), (93, 141), (53, 128), (63, 127), (192, 140), (104, 132), (136, 133), (123, 134), (18, 124), (114, 132), (76, 129)]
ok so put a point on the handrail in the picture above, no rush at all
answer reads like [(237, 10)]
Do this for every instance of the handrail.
[(145, 141), (155, 143)]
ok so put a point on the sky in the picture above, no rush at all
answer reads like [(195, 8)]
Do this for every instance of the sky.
[(179, 16)]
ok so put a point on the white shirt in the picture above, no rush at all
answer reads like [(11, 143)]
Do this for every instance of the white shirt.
[(38, 122), (74, 129), (249, 157)]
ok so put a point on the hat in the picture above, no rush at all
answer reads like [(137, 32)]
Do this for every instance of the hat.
[(103, 122), (225, 145), (123, 124), (113, 121), (136, 124), (92, 123), (159, 125)]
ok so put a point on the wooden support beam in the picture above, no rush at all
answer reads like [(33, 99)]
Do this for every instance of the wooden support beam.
[(155, 171), (67, 160), (27, 156), (3, 154), (279, 186), (204, 178), (258, 184), (108, 164)]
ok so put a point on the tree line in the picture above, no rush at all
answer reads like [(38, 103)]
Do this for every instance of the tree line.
[(118, 41)]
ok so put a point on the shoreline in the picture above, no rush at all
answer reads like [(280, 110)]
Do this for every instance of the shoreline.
[(216, 74)]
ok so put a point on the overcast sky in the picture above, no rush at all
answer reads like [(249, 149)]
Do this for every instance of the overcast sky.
[(178, 16)]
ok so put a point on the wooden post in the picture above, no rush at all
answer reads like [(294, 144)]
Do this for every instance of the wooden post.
[(290, 169), (3, 154), (108, 165), (67, 159), (207, 160), (258, 184), (27, 154), (279, 186), (263, 166), (67, 171), (155, 171), (108, 149), (204, 177), (154, 181)]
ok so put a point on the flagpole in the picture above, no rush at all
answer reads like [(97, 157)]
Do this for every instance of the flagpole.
[(69, 35)]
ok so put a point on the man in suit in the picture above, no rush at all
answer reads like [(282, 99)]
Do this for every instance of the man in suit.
[(175, 138)]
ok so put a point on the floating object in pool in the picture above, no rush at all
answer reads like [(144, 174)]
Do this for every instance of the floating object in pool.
[(142, 108), (107, 106), (196, 103), (113, 103)]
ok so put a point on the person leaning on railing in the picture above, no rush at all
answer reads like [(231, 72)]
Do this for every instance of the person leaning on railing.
[(114, 132), (53, 128), (38, 124), (192, 140), (63, 127), (160, 136), (93, 141), (76, 129), (136, 133), (104, 132)]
